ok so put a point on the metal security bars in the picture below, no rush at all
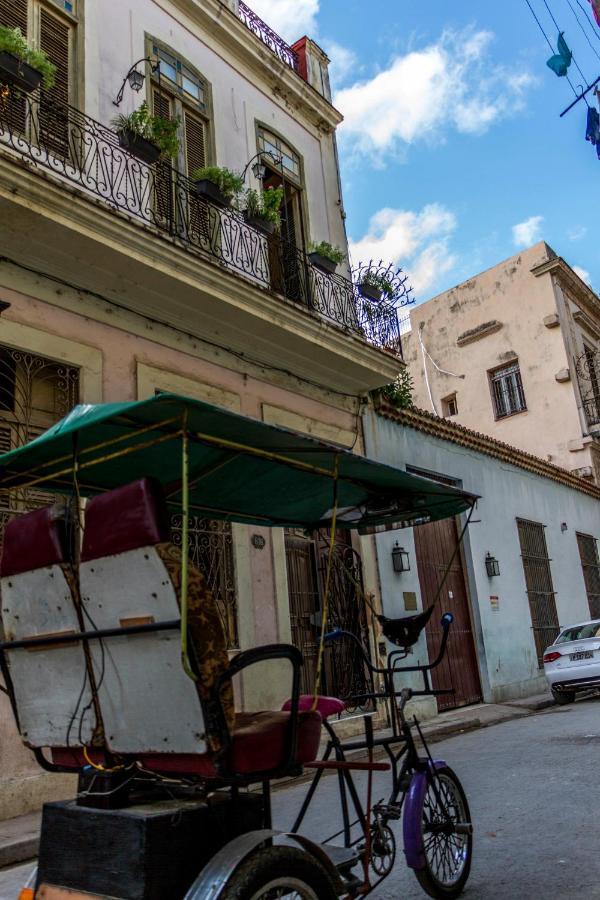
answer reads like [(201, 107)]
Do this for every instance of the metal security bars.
[(588, 377), (269, 37), (538, 581), (507, 391), (590, 563), (83, 152)]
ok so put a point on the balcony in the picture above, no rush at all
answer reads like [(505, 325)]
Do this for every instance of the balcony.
[(269, 37), (77, 152)]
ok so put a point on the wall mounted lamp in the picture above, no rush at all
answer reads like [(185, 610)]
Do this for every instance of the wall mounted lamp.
[(259, 169), (136, 78), (492, 565), (400, 559)]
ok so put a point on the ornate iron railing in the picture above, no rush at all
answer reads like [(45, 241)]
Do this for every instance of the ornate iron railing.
[(269, 37), (591, 408), (82, 151)]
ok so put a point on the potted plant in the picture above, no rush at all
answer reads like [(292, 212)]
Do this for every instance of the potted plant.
[(21, 66), (263, 209), (325, 257), (374, 285), (217, 185), (147, 137)]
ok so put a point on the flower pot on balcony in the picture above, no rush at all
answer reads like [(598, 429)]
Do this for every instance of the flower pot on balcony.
[(370, 292), (18, 73), (259, 223), (208, 190), (323, 263), (139, 146)]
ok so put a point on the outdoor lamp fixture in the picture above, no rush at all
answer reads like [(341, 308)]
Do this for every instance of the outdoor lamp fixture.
[(259, 169), (136, 78), (492, 565), (400, 560)]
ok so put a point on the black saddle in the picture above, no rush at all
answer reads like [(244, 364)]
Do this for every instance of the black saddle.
[(405, 632)]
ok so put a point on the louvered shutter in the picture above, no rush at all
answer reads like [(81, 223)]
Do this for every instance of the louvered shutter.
[(13, 14), (161, 105), (195, 158), (55, 39)]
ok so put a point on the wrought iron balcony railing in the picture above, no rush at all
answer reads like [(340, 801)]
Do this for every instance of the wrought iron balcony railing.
[(591, 409), (269, 37), (82, 151)]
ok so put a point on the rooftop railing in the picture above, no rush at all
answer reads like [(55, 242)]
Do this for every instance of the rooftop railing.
[(77, 149), (269, 37)]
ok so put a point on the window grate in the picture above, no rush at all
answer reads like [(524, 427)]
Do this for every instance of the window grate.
[(538, 582), (507, 391), (590, 563)]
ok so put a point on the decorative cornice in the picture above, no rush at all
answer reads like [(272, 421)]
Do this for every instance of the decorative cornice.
[(430, 424), (580, 291)]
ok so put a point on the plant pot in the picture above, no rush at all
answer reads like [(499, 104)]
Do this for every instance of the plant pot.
[(209, 191), (18, 73), (323, 263), (139, 146), (370, 292), (259, 223)]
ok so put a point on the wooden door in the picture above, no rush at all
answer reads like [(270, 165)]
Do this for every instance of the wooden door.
[(435, 544), (305, 603)]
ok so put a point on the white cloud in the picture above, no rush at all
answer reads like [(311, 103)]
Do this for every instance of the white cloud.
[(528, 232), (291, 19), (577, 232), (418, 241), (423, 94), (343, 62), (583, 274)]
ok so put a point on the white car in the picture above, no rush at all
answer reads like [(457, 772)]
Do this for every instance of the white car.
[(572, 663)]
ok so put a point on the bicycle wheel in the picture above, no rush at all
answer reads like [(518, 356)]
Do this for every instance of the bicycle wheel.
[(447, 852), (280, 873)]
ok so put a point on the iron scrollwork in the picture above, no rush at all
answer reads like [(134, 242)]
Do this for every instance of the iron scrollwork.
[(269, 37)]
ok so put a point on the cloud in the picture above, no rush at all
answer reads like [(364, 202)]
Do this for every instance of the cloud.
[(528, 232), (577, 232), (418, 241), (421, 95), (289, 18), (583, 274), (343, 62)]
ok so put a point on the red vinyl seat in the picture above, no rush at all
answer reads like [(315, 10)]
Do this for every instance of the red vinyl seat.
[(326, 706)]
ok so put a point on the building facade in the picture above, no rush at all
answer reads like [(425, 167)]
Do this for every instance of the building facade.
[(528, 564), (117, 280), (514, 352)]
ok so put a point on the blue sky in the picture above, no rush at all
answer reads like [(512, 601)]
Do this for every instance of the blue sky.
[(453, 153)]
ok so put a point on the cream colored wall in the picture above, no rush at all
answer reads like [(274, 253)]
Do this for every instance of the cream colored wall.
[(510, 294)]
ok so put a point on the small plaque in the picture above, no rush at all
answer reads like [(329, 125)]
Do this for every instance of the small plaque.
[(258, 541), (410, 600), (495, 604)]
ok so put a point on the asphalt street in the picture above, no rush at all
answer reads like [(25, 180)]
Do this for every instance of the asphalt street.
[(533, 788)]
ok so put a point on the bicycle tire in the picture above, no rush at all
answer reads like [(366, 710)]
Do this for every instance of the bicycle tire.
[(458, 850), (271, 869)]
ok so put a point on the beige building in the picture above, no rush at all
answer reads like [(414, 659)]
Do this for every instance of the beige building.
[(514, 352), (118, 280)]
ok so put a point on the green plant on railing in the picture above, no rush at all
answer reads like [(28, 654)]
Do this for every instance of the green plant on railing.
[(13, 41), (265, 204), (399, 392), (158, 130), (324, 248), (378, 281), (229, 183)]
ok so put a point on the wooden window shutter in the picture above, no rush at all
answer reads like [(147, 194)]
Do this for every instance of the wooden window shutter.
[(54, 121), (13, 14), (163, 180), (195, 143)]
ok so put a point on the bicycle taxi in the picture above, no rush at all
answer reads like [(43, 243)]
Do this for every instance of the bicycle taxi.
[(115, 663)]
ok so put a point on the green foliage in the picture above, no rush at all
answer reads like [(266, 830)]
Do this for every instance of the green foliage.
[(328, 251), (265, 204), (229, 183), (399, 392), (13, 41), (376, 280), (156, 129)]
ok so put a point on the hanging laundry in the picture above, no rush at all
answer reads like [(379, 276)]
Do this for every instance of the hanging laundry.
[(562, 60), (592, 131), (596, 9)]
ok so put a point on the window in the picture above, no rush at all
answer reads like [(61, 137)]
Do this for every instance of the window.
[(538, 582), (508, 396), (590, 563), (271, 143), (449, 406)]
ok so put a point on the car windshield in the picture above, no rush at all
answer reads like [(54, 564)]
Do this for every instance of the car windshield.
[(579, 632)]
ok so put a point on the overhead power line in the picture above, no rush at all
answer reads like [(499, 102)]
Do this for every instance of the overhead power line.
[(548, 41), (585, 34)]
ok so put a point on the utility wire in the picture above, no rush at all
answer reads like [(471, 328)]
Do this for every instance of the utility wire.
[(541, 27), (585, 34), (588, 17), (558, 28)]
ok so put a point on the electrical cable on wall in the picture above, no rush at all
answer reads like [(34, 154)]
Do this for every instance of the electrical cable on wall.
[(425, 353)]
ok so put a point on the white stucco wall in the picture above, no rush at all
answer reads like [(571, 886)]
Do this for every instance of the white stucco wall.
[(504, 639)]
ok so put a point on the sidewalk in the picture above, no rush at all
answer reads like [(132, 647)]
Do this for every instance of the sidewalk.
[(19, 838)]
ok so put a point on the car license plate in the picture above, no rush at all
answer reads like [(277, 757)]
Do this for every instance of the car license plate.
[(583, 654)]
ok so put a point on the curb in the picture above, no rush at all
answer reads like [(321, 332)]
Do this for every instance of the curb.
[(19, 850)]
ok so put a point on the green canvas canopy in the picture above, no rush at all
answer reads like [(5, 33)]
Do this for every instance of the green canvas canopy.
[(240, 469)]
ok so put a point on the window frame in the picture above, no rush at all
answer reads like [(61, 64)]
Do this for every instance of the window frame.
[(497, 375), (446, 406)]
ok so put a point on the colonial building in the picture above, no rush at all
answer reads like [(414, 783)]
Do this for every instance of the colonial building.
[(514, 352), (119, 279)]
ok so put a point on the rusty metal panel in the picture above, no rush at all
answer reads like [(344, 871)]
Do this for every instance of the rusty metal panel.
[(51, 687), (148, 703)]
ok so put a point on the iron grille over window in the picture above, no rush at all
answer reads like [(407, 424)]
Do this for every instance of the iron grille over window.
[(507, 391), (590, 563), (538, 581)]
